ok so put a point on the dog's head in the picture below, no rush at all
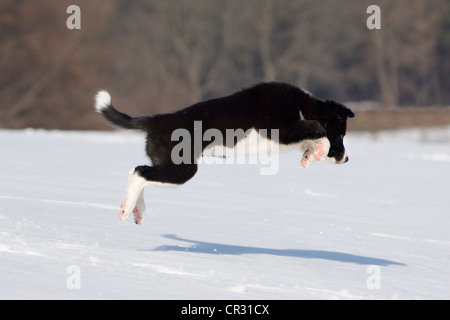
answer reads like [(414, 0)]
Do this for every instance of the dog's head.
[(335, 123)]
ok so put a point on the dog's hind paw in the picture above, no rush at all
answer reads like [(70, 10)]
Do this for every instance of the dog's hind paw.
[(122, 215), (138, 217)]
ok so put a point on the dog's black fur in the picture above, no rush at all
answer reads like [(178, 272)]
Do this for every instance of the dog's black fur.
[(295, 113)]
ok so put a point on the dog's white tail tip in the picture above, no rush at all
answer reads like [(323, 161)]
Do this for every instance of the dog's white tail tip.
[(102, 100)]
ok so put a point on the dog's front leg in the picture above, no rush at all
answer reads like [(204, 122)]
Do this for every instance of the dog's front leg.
[(315, 144), (313, 140)]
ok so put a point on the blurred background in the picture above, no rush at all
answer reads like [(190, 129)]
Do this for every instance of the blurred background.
[(157, 56)]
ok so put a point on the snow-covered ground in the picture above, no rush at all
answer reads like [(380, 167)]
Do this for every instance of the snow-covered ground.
[(374, 228)]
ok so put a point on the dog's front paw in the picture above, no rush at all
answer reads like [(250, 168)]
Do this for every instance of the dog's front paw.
[(321, 149), (315, 150), (307, 159)]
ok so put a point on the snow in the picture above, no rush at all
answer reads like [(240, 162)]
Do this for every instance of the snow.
[(376, 227)]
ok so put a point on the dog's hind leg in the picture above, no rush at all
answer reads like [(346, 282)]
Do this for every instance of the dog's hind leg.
[(139, 210), (134, 199), (142, 176)]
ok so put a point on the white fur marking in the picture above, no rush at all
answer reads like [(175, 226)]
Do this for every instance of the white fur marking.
[(310, 145), (334, 161), (254, 143), (311, 153), (102, 100), (326, 147), (301, 115), (139, 216), (135, 194)]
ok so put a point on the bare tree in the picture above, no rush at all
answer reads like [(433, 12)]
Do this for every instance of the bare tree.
[(157, 56), (404, 51)]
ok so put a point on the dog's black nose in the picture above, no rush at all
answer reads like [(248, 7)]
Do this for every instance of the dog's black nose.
[(346, 159)]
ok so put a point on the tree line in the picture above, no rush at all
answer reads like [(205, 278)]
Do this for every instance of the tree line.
[(162, 55)]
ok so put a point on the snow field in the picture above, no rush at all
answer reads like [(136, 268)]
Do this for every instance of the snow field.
[(374, 228)]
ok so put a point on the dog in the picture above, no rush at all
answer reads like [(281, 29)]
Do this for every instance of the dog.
[(296, 120)]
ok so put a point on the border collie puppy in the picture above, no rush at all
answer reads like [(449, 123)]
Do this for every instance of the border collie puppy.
[(299, 120)]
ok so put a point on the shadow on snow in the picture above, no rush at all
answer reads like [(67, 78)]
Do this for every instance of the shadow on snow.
[(217, 248)]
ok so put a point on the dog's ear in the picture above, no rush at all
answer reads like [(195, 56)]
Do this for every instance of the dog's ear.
[(349, 113), (342, 110)]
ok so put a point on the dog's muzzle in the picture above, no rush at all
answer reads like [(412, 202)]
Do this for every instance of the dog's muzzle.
[(338, 160)]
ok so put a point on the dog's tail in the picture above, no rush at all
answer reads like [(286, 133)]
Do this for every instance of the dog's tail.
[(103, 105)]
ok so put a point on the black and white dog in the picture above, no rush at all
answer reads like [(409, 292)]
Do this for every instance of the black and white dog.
[(294, 117)]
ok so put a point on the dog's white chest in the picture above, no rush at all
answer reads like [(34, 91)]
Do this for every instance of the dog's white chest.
[(251, 142)]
